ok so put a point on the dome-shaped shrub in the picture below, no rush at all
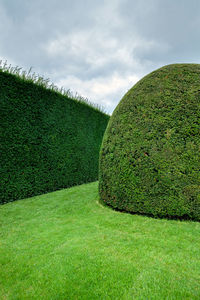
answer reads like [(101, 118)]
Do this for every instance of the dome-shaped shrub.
[(150, 156)]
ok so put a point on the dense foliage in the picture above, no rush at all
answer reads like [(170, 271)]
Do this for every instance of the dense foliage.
[(48, 141), (150, 156)]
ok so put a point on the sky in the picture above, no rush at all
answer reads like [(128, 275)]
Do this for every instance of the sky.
[(99, 48)]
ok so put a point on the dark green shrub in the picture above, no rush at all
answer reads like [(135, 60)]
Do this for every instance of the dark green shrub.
[(150, 156), (48, 141)]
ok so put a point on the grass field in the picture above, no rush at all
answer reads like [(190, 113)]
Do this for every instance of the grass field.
[(65, 245)]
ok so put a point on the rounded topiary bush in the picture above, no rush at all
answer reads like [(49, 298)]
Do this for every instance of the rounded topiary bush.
[(150, 155)]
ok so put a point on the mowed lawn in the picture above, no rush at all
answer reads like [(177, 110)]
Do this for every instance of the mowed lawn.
[(65, 245)]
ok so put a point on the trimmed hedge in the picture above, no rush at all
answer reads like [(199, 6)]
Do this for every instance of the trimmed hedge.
[(48, 141), (150, 156)]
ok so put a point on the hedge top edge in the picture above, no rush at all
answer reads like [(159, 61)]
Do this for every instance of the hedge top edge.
[(47, 84)]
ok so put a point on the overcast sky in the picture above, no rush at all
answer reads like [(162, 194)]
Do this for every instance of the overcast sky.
[(97, 48)]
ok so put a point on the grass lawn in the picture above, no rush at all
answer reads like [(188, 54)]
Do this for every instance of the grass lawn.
[(65, 245)]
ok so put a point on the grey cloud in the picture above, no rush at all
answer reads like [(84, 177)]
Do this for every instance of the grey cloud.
[(99, 43), (171, 23)]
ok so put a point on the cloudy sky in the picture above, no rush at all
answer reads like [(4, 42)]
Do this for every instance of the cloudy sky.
[(99, 48)]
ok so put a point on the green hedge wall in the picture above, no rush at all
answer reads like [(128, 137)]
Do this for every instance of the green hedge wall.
[(48, 141), (150, 156)]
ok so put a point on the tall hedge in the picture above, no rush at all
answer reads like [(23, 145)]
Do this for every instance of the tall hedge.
[(150, 156), (48, 141)]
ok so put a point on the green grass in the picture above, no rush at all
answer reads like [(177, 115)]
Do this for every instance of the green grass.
[(65, 245)]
